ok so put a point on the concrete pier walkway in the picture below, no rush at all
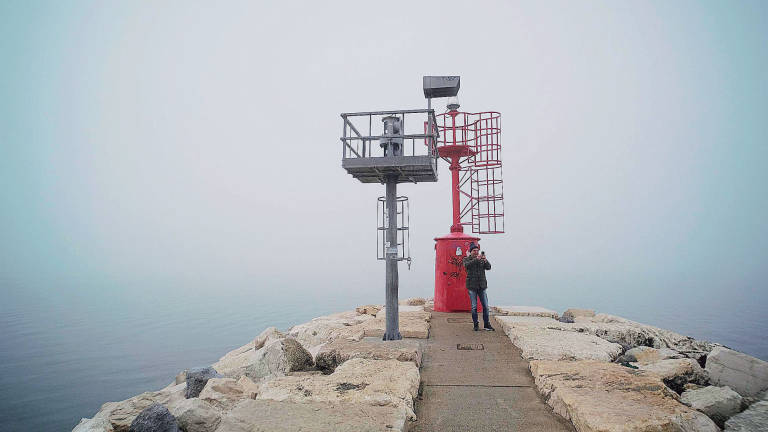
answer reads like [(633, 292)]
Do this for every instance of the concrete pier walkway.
[(476, 381)]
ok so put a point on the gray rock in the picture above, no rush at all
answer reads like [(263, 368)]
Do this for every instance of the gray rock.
[(754, 419), (540, 338), (197, 378), (532, 311), (267, 336), (598, 396), (181, 377), (632, 334), (312, 416), (645, 354), (339, 351), (278, 358), (741, 372), (676, 373), (121, 414), (749, 400), (195, 415), (155, 418), (571, 314), (719, 403), (93, 425)]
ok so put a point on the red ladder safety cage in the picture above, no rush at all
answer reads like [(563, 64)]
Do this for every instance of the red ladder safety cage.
[(471, 143)]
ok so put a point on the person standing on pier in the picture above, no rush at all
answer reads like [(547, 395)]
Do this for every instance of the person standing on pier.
[(476, 264)]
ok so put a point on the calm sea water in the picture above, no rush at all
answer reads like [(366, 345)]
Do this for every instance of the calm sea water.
[(64, 353)]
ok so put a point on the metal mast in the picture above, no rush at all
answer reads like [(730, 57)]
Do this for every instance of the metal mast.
[(400, 157)]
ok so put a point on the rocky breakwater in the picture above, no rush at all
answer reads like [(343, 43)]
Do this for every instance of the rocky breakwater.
[(332, 373), (607, 373)]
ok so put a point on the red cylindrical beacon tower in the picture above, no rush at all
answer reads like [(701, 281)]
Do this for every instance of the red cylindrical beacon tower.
[(470, 143)]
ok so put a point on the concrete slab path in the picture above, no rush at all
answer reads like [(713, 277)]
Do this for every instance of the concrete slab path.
[(477, 381)]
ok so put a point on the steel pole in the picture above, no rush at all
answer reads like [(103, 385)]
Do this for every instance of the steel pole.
[(393, 325)]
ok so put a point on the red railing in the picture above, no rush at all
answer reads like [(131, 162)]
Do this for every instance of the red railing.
[(480, 182)]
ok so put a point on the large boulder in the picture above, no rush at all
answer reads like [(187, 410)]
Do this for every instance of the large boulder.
[(121, 414), (197, 378), (339, 351), (644, 354), (676, 373), (368, 309), (539, 342), (360, 381), (743, 373), (754, 419), (412, 323), (413, 301), (181, 377), (195, 415), (310, 416), (572, 314), (401, 309), (429, 304), (278, 358), (607, 397), (344, 325), (223, 393), (93, 425), (234, 363), (268, 335), (533, 311), (632, 334), (719, 403), (154, 418)]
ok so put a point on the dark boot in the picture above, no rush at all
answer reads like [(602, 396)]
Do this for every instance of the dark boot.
[(477, 327), (488, 327)]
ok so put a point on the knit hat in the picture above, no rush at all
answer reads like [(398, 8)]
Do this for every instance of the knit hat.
[(472, 246)]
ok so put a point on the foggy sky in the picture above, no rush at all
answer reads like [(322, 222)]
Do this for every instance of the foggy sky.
[(187, 144)]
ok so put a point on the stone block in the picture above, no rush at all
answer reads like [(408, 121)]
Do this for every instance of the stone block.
[(413, 324), (676, 373), (361, 381), (93, 425), (524, 311), (719, 403), (745, 374), (337, 352), (195, 415), (571, 314), (754, 419), (121, 414), (345, 325), (643, 354), (538, 342), (278, 358), (413, 301), (606, 397), (368, 309), (312, 416)]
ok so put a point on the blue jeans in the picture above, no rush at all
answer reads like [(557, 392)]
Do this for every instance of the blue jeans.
[(483, 301)]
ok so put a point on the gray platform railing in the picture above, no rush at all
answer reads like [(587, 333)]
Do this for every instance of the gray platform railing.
[(417, 142)]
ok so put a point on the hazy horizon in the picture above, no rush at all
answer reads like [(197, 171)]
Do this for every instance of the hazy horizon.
[(163, 143)]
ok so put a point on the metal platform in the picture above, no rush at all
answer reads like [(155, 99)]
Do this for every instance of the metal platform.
[(406, 150), (409, 169)]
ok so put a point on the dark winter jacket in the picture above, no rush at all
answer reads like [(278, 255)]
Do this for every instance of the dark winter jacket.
[(476, 273)]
